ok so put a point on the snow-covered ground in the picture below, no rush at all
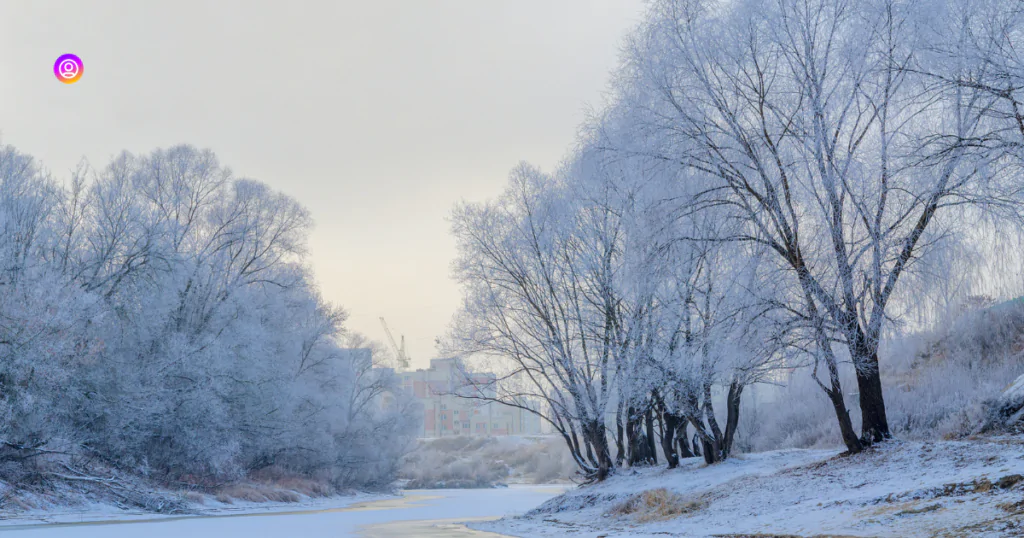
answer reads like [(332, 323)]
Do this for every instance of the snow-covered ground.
[(98, 513), (901, 489), (423, 512)]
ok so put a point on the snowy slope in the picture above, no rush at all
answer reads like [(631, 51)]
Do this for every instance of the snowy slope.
[(948, 488)]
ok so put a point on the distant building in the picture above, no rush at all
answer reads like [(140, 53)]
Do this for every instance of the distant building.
[(445, 413)]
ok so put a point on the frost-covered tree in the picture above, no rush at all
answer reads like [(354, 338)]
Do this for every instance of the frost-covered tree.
[(536, 295), (811, 124), (774, 184), (158, 315)]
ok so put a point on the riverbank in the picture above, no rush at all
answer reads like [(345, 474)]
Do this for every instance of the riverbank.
[(946, 489), (100, 513), (425, 513)]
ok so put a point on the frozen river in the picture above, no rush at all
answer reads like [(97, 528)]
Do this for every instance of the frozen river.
[(419, 513)]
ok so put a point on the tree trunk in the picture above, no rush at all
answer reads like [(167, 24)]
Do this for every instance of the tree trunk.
[(711, 449), (715, 440), (824, 344), (684, 441), (596, 437), (668, 441), (733, 410), (638, 441), (575, 439), (632, 437), (709, 412), (874, 424), (835, 394), (576, 456), (652, 452), (585, 445), (620, 449), (845, 424)]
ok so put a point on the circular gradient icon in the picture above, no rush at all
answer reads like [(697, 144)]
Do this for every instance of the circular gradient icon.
[(68, 68)]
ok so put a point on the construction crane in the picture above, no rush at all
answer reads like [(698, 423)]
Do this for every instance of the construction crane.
[(403, 359)]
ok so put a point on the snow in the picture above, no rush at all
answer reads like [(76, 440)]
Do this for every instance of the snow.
[(97, 513), (904, 489), (334, 518), (899, 489), (1015, 391)]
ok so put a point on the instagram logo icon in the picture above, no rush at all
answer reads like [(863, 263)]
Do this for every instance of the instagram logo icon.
[(68, 68)]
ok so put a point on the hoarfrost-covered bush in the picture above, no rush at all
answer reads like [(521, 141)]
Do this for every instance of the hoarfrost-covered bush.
[(794, 415), (943, 383), (158, 315)]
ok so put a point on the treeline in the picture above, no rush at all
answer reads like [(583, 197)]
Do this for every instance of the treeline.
[(775, 188), (157, 317)]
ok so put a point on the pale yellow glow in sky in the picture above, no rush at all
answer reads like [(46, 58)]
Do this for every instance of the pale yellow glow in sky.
[(376, 115)]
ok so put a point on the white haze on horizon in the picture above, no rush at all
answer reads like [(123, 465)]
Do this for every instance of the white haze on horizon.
[(377, 116)]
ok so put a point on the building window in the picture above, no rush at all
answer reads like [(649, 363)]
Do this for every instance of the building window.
[(465, 425), (456, 412)]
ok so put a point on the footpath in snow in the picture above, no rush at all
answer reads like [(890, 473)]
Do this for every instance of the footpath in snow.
[(899, 489)]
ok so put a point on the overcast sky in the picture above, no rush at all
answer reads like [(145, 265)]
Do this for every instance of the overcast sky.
[(375, 115)]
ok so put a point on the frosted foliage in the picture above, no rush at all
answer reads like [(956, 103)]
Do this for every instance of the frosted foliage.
[(158, 315), (787, 226)]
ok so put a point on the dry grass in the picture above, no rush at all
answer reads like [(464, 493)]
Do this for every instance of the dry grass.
[(1013, 508), (18, 503), (899, 509), (656, 505), (1009, 481), (193, 497), (277, 477), (759, 535), (257, 493), (921, 510), (273, 484)]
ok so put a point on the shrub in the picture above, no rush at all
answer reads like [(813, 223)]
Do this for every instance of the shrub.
[(656, 505)]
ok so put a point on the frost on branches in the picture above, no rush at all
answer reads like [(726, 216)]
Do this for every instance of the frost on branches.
[(775, 192), (157, 315)]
